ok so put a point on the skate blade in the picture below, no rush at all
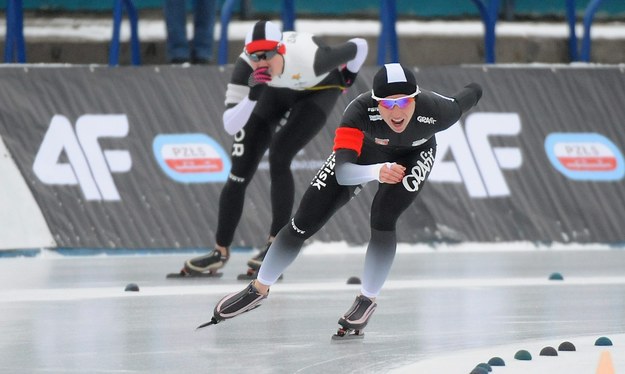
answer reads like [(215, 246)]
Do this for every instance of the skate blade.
[(348, 336), (246, 276), (213, 321), (183, 274)]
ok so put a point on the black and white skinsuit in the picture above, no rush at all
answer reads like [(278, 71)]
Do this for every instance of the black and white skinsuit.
[(305, 93)]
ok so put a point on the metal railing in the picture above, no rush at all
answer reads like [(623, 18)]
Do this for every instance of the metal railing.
[(589, 15), (489, 11), (15, 50), (387, 42), (133, 18), (14, 46)]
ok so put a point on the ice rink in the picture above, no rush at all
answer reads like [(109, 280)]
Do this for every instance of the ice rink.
[(443, 310)]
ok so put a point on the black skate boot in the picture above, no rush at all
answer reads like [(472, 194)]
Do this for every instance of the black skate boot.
[(255, 262), (236, 303), (355, 319), (203, 266)]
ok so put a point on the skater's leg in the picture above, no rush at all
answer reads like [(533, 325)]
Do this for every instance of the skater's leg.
[(378, 260), (316, 207), (307, 117), (390, 201), (282, 253), (388, 204), (247, 151), (249, 146)]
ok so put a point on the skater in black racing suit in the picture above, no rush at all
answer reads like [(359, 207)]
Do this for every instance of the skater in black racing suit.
[(277, 75), (386, 135)]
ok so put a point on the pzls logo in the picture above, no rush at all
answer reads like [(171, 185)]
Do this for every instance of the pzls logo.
[(87, 165)]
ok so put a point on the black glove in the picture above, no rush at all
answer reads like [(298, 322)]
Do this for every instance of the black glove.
[(477, 89), (348, 77), (469, 96), (256, 91)]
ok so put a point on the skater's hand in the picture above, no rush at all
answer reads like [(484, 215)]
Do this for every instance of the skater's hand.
[(259, 76), (391, 173), (348, 77)]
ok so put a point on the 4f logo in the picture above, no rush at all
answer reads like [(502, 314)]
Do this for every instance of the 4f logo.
[(87, 165), (477, 163)]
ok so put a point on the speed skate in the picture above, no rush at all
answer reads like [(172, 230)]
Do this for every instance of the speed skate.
[(355, 319), (344, 334)]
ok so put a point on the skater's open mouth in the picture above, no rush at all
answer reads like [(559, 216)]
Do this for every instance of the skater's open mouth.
[(397, 122)]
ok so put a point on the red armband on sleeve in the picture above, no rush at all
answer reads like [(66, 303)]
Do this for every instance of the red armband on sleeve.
[(348, 138)]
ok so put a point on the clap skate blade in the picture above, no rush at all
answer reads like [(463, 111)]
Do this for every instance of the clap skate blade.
[(184, 274), (215, 321), (348, 334)]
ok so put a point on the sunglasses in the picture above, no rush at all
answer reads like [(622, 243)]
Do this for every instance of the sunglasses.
[(400, 102), (262, 55)]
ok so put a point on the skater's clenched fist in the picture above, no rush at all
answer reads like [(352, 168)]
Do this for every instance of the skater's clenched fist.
[(391, 173)]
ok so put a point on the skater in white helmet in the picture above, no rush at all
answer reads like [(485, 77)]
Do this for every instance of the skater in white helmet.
[(293, 75)]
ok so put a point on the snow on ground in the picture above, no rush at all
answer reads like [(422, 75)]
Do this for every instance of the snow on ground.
[(150, 29)]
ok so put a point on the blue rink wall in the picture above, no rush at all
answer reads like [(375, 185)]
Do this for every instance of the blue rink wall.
[(135, 157)]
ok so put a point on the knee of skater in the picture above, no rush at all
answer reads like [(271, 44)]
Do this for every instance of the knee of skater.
[(297, 233), (383, 235), (383, 225), (238, 180), (279, 163)]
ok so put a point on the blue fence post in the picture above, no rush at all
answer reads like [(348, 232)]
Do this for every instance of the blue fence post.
[(489, 16), (226, 14), (288, 15), (14, 46), (589, 14), (572, 19), (387, 41), (133, 18), (117, 21)]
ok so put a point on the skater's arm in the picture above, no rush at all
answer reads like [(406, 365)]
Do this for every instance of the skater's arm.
[(353, 53), (236, 117), (450, 109), (347, 145), (240, 98), (350, 174), (468, 97)]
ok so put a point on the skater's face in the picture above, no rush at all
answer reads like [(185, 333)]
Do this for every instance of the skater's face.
[(272, 60), (397, 110)]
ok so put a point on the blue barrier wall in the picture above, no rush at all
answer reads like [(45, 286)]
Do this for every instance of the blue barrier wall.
[(441, 8)]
